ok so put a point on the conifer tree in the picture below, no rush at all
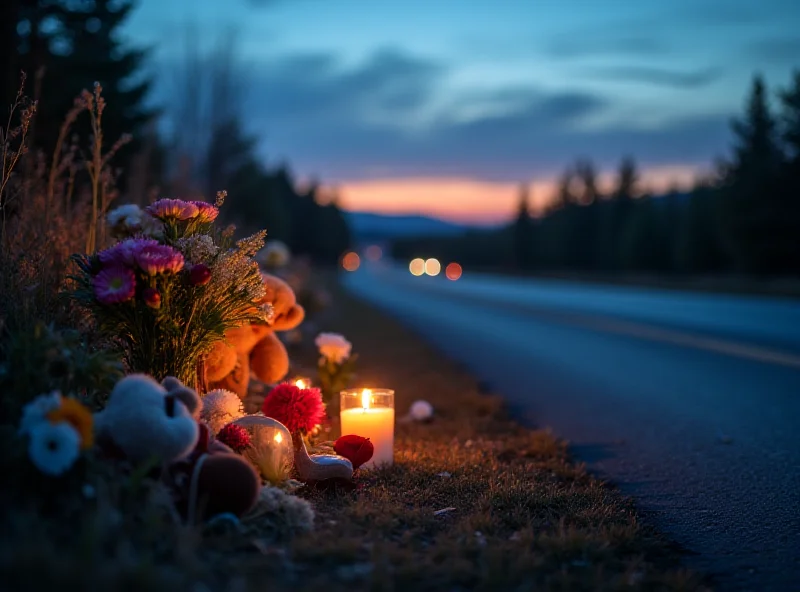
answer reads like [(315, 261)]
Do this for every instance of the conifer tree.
[(751, 205), (523, 231)]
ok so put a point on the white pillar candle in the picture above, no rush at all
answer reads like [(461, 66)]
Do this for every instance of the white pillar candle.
[(369, 413)]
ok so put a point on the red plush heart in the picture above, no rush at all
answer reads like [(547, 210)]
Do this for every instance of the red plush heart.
[(354, 448)]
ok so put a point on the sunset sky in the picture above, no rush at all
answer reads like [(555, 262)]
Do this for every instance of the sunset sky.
[(443, 107)]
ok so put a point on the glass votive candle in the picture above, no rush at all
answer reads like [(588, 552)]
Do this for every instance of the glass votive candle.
[(369, 413), (271, 449)]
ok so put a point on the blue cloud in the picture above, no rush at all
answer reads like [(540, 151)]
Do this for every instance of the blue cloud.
[(658, 76), (317, 115)]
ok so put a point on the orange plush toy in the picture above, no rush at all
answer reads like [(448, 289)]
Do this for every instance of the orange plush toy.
[(256, 348)]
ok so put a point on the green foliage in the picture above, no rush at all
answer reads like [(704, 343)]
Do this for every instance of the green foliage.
[(334, 378), (42, 359)]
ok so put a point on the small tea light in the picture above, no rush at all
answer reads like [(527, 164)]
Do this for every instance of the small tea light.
[(369, 413), (302, 382)]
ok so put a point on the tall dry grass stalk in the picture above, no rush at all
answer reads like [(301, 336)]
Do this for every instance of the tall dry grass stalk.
[(50, 208)]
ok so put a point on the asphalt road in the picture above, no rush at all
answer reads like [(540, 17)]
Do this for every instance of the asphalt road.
[(689, 402)]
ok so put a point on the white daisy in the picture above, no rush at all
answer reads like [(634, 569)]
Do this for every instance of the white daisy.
[(36, 411), (54, 448)]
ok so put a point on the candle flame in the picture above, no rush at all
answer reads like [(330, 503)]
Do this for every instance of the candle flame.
[(366, 398), (278, 437), (300, 383)]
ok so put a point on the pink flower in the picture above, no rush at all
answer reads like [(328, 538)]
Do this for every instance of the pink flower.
[(152, 297), (206, 212), (124, 252), (234, 437), (173, 209), (155, 259), (298, 409), (114, 284)]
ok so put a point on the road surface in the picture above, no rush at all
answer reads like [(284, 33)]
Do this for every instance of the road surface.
[(689, 402)]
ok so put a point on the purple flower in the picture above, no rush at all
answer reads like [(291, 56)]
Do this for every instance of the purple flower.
[(124, 252), (114, 284), (206, 212), (173, 209), (155, 259)]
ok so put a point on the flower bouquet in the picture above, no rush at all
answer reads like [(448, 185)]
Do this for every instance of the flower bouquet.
[(171, 286)]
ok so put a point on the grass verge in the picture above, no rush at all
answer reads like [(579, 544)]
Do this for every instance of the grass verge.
[(473, 502), (524, 516)]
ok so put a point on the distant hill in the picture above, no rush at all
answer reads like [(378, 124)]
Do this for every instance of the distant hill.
[(367, 226)]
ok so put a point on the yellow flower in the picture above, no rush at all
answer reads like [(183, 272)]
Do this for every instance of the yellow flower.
[(77, 415)]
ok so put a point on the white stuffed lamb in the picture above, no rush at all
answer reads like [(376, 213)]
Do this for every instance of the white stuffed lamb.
[(146, 419)]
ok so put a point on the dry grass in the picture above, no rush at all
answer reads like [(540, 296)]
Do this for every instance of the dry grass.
[(51, 206)]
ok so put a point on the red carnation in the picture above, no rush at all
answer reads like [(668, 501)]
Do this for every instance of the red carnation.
[(234, 437), (199, 275), (298, 409), (354, 448), (151, 297)]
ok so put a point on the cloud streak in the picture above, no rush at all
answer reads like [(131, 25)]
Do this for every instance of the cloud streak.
[(659, 76), (363, 122)]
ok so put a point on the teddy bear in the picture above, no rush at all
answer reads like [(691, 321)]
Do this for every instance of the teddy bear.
[(255, 347), (145, 420)]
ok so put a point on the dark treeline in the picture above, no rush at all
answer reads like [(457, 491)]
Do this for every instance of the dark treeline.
[(746, 219), (65, 46)]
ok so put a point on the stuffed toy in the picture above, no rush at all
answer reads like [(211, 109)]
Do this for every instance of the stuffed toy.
[(213, 480), (146, 420), (256, 348)]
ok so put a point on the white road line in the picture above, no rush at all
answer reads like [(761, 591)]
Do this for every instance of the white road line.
[(731, 348)]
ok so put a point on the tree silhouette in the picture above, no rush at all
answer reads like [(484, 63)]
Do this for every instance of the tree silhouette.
[(755, 228), (790, 121), (566, 194), (756, 153), (523, 230), (588, 178), (68, 46)]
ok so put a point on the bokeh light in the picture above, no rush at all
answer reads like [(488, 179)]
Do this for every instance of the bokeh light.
[(433, 267), (453, 271), (351, 261), (374, 252), (417, 266)]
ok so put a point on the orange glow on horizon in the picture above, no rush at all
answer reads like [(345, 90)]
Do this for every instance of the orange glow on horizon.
[(470, 201)]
